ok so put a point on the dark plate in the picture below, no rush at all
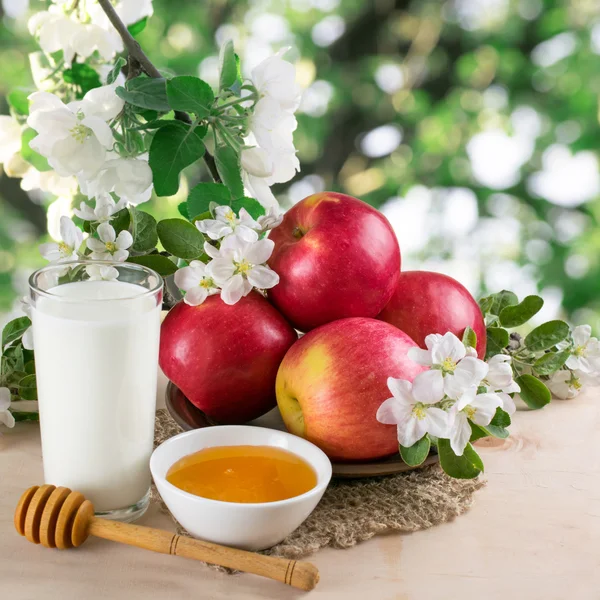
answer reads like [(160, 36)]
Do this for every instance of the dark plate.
[(188, 417)]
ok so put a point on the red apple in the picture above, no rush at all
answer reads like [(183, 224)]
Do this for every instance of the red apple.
[(426, 302), (336, 257), (225, 358), (332, 381)]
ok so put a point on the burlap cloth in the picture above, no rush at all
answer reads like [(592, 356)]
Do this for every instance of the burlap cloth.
[(355, 510)]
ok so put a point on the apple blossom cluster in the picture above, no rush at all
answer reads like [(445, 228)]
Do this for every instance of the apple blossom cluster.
[(238, 264), (458, 393)]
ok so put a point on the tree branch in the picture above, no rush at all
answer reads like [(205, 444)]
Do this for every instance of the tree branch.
[(135, 51)]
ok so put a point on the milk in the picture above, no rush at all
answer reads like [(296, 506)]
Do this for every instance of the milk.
[(96, 351)]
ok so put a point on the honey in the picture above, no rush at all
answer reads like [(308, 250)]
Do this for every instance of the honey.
[(245, 474)]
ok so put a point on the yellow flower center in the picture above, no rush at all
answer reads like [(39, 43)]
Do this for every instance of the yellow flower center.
[(230, 217), (242, 267), (448, 366), (576, 383), (80, 133), (419, 411), (207, 283), (64, 247), (579, 351), (111, 247), (469, 411)]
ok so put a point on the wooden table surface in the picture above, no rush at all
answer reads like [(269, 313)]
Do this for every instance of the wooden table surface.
[(533, 533)]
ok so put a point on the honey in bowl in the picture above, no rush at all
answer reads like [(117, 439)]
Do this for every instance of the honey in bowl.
[(245, 474)]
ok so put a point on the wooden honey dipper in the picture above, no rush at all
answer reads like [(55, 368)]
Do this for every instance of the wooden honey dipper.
[(56, 517)]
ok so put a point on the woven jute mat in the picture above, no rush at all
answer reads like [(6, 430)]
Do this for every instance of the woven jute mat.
[(355, 510)]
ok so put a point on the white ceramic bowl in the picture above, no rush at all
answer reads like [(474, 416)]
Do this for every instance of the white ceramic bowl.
[(248, 526)]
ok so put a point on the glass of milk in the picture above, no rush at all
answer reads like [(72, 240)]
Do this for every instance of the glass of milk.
[(96, 355)]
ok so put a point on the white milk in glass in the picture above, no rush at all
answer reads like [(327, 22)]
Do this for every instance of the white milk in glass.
[(96, 350)]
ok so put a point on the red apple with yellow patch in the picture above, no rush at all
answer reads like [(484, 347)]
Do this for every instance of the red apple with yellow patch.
[(225, 358), (332, 381), (425, 302), (336, 257)]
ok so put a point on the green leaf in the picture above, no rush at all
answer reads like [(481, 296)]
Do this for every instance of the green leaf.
[(417, 453), (467, 466), (182, 207), (145, 92), (173, 148), (29, 393), (547, 335), (486, 303), (15, 357), (145, 237), (17, 98), (120, 221), (230, 69), (181, 238), (203, 194), (159, 263), (469, 338), (190, 94), (533, 392), (501, 300), (501, 419), (496, 428), (30, 155), (513, 316), (497, 340), (25, 416), (28, 381), (30, 367), (228, 166), (82, 76), (116, 70), (137, 27), (551, 362), (254, 208), (477, 432), (14, 330)]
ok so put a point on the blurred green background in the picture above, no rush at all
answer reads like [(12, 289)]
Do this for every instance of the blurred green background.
[(472, 124)]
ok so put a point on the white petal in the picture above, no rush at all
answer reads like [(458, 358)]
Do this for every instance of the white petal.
[(437, 422), (401, 389), (469, 373), (95, 245), (7, 419), (4, 398), (120, 255), (50, 251), (433, 339), (213, 228), (393, 411), (124, 240), (221, 269), (196, 296), (449, 347), (259, 252), (263, 278), (211, 250), (257, 161), (460, 433), (233, 290), (485, 406), (581, 335), (106, 232), (101, 130), (412, 431), (420, 356), (103, 102), (188, 278), (508, 404), (428, 386), (246, 234)]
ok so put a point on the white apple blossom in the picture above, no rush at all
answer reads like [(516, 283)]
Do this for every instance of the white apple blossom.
[(72, 137), (197, 282), (259, 188), (71, 239), (565, 384), (271, 219), (10, 139), (585, 352), (471, 406), (129, 178), (451, 371), (5, 415), (276, 78), (408, 409), (227, 223), (238, 266), (110, 246), (102, 273), (257, 162), (103, 211), (50, 182), (272, 126), (499, 379)]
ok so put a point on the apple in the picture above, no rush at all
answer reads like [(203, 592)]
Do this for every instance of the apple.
[(332, 381), (225, 358), (336, 257), (426, 302)]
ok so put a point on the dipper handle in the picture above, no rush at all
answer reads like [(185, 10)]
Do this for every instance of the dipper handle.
[(58, 517)]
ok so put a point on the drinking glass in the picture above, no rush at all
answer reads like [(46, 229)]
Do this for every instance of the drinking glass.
[(96, 329)]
